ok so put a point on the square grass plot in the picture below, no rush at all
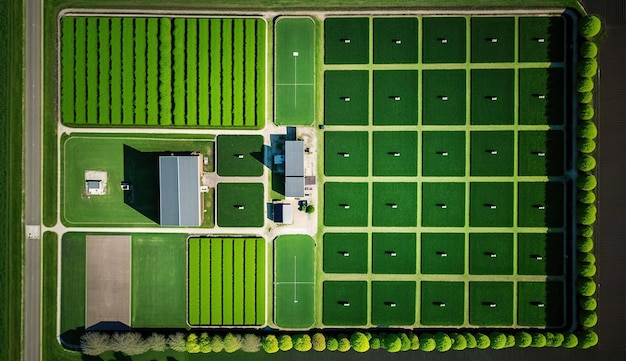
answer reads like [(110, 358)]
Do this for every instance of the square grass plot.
[(395, 205), (395, 97), (541, 38), (240, 204), (443, 97), (345, 303), (491, 204), (346, 40), (493, 39), (442, 303), (540, 304), (393, 253), (393, 303), (346, 153), (491, 303), (541, 204), (541, 153), (345, 252), (444, 40), (443, 253), (492, 153), (491, 253), (492, 96), (345, 204), (443, 154), (443, 204), (395, 40), (540, 254), (346, 97), (239, 155), (541, 94), (395, 153)]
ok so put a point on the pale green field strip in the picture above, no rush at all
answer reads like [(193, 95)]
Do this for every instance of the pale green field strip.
[(250, 279), (239, 287), (194, 281), (205, 283), (260, 281), (227, 282), (216, 283)]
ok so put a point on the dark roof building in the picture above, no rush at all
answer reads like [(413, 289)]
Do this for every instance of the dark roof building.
[(179, 185), (283, 213), (294, 168)]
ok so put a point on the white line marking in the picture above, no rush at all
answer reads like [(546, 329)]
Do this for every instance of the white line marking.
[(294, 283), (295, 279), (295, 88), (294, 84)]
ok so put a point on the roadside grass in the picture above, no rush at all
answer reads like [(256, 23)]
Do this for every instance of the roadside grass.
[(229, 149), (394, 204), (395, 153), (240, 204), (450, 244), (395, 97), (393, 303), (451, 29), (492, 153), (451, 295), (549, 246), (443, 204), (437, 84), (435, 145), (345, 303), (534, 195), (482, 294), (339, 85), (395, 40), (393, 253), (531, 143), (346, 153), (483, 246), (335, 246)]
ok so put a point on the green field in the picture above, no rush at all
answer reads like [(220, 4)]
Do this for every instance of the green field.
[(434, 147), (433, 248), (345, 204), (482, 294), (393, 303), (395, 153), (492, 96), (345, 303), (548, 246), (491, 253), (534, 142), (530, 294), (294, 282), (484, 30), (346, 97), (336, 245), (549, 28), (483, 160), (541, 96), (442, 303), (240, 204), (346, 153), (294, 71), (337, 48), (443, 204), (444, 40), (226, 281), (154, 72), (533, 196), (483, 196), (393, 253), (443, 97), (395, 97), (394, 204), (395, 40), (124, 158), (73, 277), (240, 155)]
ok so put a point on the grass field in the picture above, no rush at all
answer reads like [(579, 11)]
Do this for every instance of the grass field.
[(482, 294), (443, 204), (226, 281), (484, 161), (346, 97), (393, 303), (438, 85), (435, 145), (483, 198), (395, 40), (295, 71), (492, 96), (550, 248), (491, 253), (550, 29), (346, 40), (434, 245), (533, 196), (394, 204), (393, 253), (345, 303), (346, 153), (345, 204), (229, 149), (551, 294), (294, 291), (73, 291), (395, 97), (442, 303), (335, 247), (531, 143), (483, 32), (240, 204), (444, 40), (395, 153), (541, 96)]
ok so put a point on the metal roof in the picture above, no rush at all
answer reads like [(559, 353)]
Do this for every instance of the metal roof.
[(283, 213), (294, 186), (294, 158), (179, 185)]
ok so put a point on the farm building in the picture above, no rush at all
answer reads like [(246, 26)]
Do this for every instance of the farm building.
[(283, 213), (294, 168), (180, 203)]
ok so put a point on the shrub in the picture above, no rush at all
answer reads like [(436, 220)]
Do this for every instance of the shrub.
[(427, 342), (586, 163), (586, 197), (375, 343), (285, 343), (157, 342), (587, 338), (415, 341), (556, 339), (586, 182), (570, 341), (584, 85), (192, 343), (391, 342), (217, 344), (343, 344), (586, 257), (471, 340), (405, 343), (359, 342), (587, 130), (482, 341), (310, 209), (587, 318), (523, 339), (459, 342), (205, 343), (232, 342), (177, 342), (586, 269), (588, 50), (498, 340), (95, 343), (585, 231), (585, 112), (538, 339), (442, 341), (587, 68), (586, 215), (586, 286), (585, 98), (586, 145), (250, 343), (319, 341), (510, 340), (331, 344), (584, 244), (302, 342), (589, 26)]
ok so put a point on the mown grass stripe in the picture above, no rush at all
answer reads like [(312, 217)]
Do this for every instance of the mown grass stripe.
[(227, 72), (140, 71), (116, 71), (250, 280), (92, 70), (193, 283), (152, 81), (192, 72), (260, 73), (238, 281), (238, 52), (250, 72), (216, 281), (179, 71), (227, 282), (203, 72), (165, 71), (260, 281), (128, 69), (80, 70), (67, 70), (104, 83), (216, 72)]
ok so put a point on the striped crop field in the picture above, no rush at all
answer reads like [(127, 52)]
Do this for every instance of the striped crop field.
[(182, 72), (226, 281)]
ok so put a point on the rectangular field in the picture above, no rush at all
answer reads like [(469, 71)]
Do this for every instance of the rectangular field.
[(346, 154), (73, 273), (183, 72), (240, 155)]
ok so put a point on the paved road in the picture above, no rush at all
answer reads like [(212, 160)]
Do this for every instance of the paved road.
[(32, 98)]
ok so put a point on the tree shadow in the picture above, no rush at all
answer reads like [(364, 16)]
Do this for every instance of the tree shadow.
[(141, 173)]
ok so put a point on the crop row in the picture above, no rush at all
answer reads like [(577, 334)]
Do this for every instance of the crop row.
[(162, 71)]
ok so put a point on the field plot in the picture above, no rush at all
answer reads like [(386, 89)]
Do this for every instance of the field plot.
[(73, 286), (395, 40), (491, 253), (240, 155), (394, 204), (346, 97), (541, 204), (240, 204), (346, 40), (443, 204), (226, 281), (295, 71), (442, 253), (155, 72), (493, 39), (346, 153), (345, 303), (393, 303), (442, 303), (294, 282), (393, 253), (395, 97), (492, 96), (492, 153), (540, 254), (541, 38), (443, 97), (345, 204), (444, 40), (531, 296), (491, 204), (443, 153), (395, 153), (345, 252), (491, 303), (541, 153), (541, 96)]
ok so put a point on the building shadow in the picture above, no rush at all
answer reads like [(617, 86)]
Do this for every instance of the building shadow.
[(264, 155), (278, 164), (141, 174)]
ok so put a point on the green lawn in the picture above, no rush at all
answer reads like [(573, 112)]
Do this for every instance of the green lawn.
[(541, 94), (337, 48), (534, 28), (486, 29), (393, 303), (492, 96), (73, 290), (482, 294), (345, 204), (483, 197), (335, 247), (534, 142), (443, 204), (395, 40), (345, 303), (395, 153), (492, 153), (531, 294), (491, 253), (393, 253), (443, 153), (231, 197), (395, 204), (540, 254), (442, 253), (346, 153), (240, 155), (346, 97), (443, 97), (395, 97), (442, 303), (533, 196), (444, 40)]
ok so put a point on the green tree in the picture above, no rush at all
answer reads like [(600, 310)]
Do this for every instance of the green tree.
[(585, 98), (587, 318), (250, 343), (204, 342), (471, 340), (443, 341), (156, 342), (270, 344), (177, 342), (570, 340), (459, 342), (586, 182), (232, 342), (285, 343), (331, 343), (587, 68), (344, 343), (415, 341), (319, 341), (584, 244), (587, 339), (523, 339), (375, 343), (589, 26), (586, 163), (586, 215), (95, 343), (588, 50), (586, 145), (586, 257), (555, 339), (586, 269), (302, 342), (498, 340), (217, 344), (359, 342), (586, 197), (585, 231), (310, 209), (391, 342), (586, 286), (427, 342), (587, 303), (539, 339), (482, 341), (405, 343), (192, 343), (510, 340), (587, 130), (584, 85)]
